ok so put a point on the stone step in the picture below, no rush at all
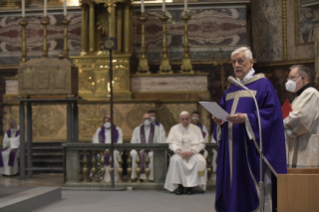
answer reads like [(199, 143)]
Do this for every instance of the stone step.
[(30, 199)]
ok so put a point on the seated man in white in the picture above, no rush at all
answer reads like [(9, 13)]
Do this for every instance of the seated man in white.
[(10, 152), (187, 168), (103, 135), (145, 133)]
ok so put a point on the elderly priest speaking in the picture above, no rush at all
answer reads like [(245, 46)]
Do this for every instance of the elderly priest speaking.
[(238, 162)]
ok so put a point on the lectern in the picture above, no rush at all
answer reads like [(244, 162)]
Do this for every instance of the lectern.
[(298, 190)]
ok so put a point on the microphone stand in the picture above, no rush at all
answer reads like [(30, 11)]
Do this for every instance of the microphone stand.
[(261, 183)]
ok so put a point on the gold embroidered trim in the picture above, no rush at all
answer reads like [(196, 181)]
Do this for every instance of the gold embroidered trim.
[(254, 78), (234, 95), (251, 174), (257, 147), (238, 94), (201, 173)]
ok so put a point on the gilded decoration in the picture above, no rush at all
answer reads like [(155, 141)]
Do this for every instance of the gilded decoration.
[(49, 121), (90, 118), (134, 116)]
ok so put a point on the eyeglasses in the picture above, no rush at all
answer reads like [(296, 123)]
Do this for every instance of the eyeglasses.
[(292, 77), (184, 119)]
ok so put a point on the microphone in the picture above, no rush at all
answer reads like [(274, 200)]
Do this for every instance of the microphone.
[(261, 183)]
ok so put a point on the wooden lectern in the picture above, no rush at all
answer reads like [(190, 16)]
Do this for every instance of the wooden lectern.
[(298, 190)]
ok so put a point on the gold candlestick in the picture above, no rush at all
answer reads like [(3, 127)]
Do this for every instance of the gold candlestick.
[(65, 22), (23, 59), (45, 23), (221, 61), (143, 67), (186, 66), (165, 67)]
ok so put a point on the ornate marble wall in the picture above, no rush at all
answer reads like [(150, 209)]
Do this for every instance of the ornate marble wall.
[(209, 28), (173, 83), (267, 29), (10, 36), (299, 32)]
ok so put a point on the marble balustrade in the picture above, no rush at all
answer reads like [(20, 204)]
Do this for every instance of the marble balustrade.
[(82, 165)]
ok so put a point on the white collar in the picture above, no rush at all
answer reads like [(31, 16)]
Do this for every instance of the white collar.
[(248, 75)]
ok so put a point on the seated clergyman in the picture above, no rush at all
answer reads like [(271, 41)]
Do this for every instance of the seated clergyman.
[(146, 133), (10, 152), (187, 168), (103, 135)]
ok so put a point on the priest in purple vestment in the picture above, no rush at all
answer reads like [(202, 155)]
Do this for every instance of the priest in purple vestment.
[(146, 133), (103, 135), (9, 154), (238, 138)]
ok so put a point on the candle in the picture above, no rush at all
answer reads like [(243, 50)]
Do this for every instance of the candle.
[(142, 6), (23, 8), (163, 6), (64, 8), (185, 5), (45, 8)]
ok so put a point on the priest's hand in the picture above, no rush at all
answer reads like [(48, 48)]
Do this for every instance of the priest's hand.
[(189, 154), (106, 152), (217, 120), (237, 118)]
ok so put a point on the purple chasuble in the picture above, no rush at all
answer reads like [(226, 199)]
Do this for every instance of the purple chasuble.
[(12, 152), (238, 157), (102, 140), (203, 133), (143, 141)]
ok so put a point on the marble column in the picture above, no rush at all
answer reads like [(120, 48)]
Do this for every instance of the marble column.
[(314, 5)]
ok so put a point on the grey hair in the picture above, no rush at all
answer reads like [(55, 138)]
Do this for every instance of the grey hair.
[(302, 70), (248, 53)]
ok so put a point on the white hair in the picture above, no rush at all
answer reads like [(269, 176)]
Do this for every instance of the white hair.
[(248, 53), (183, 113)]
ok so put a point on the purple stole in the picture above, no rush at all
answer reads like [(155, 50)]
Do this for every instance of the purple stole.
[(156, 123), (12, 152), (203, 133), (143, 141), (102, 140)]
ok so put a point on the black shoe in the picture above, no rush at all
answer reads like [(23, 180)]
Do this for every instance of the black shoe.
[(179, 190), (189, 191)]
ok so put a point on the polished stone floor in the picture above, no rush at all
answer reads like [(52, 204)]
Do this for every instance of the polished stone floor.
[(49, 179)]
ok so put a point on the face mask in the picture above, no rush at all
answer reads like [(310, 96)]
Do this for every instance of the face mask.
[(153, 119), (195, 118), (107, 124), (291, 85), (147, 122)]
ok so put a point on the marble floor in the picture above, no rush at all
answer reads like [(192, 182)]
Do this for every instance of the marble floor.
[(47, 179)]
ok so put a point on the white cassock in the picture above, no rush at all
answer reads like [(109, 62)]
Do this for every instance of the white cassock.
[(161, 132), (11, 143), (214, 156), (302, 130), (95, 140), (136, 138), (186, 171)]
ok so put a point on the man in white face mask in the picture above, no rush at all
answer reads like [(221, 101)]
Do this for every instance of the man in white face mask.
[(302, 124), (146, 133), (162, 130), (103, 135)]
